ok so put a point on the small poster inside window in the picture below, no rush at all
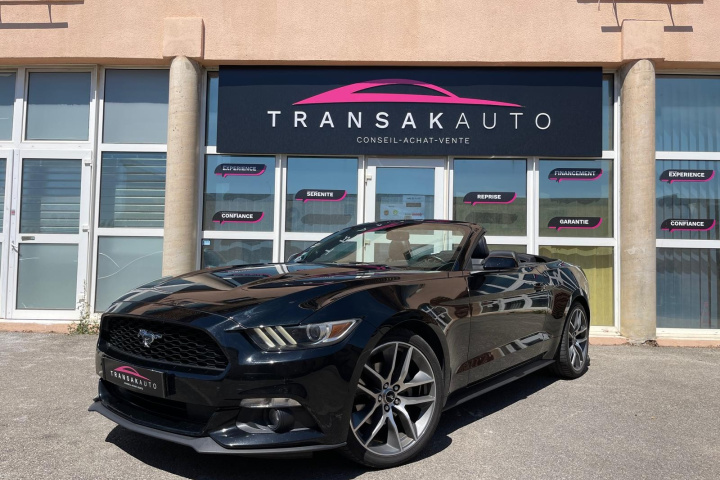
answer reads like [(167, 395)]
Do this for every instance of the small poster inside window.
[(411, 208)]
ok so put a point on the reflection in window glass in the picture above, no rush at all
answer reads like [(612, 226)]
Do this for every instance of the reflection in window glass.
[(576, 198), (687, 113), (295, 246), (7, 99), (220, 253), (321, 194), (687, 288), (239, 193), (688, 191), (47, 276), (58, 106), (132, 190), (212, 109), (136, 106), (405, 193), (512, 248), (607, 112), (2, 192), (50, 197), (124, 263), (597, 263), (491, 193)]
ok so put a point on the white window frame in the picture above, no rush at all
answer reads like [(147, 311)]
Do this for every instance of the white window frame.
[(101, 148), (18, 147)]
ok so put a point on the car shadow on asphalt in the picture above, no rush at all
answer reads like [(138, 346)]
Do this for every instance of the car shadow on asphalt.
[(185, 462)]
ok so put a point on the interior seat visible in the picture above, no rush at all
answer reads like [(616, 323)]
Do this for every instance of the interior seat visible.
[(399, 248)]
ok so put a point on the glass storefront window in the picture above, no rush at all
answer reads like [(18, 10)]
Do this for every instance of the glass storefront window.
[(124, 263), (219, 253), (576, 198), (136, 106), (239, 194), (405, 193), (296, 246), (50, 196), (492, 193), (308, 182), (47, 276), (608, 120), (7, 100), (212, 109), (58, 106), (132, 190), (597, 263), (687, 113), (687, 288), (688, 199)]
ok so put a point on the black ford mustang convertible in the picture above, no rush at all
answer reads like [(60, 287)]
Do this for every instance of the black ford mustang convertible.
[(359, 342)]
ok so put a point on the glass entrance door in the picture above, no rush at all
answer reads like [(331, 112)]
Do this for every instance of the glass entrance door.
[(399, 189), (49, 221), (5, 176)]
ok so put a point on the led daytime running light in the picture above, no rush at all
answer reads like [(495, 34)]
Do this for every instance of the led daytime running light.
[(302, 336)]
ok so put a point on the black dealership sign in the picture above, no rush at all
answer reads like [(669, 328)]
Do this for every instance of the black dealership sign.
[(410, 111)]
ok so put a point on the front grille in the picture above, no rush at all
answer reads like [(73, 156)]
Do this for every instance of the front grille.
[(179, 345)]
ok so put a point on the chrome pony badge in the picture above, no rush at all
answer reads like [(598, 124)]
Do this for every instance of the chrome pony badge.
[(148, 337)]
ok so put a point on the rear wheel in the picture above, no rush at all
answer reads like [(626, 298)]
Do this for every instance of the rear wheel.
[(397, 404), (573, 359)]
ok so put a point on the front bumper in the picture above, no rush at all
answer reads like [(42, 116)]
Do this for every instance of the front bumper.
[(201, 444)]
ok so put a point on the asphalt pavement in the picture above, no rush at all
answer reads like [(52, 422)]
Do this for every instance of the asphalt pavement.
[(639, 412)]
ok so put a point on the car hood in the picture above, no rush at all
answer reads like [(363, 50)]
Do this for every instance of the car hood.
[(255, 295)]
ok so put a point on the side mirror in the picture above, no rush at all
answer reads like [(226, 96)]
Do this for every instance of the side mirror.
[(292, 257), (501, 260)]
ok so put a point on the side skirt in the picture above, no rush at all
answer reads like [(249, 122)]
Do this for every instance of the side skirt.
[(461, 396)]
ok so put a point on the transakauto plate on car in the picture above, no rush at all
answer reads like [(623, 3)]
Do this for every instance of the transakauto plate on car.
[(138, 379)]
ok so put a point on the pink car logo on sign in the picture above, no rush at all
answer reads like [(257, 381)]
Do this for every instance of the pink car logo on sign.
[(130, 371), (353, 94)]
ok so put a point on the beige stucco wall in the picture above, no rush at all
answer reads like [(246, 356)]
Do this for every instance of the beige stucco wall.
[(370, 31)]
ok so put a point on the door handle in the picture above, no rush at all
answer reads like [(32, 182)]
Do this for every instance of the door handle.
[(14, 247), (539, 287)]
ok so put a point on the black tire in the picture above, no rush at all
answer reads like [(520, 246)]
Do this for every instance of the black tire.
[(573, 358), (363, 423)]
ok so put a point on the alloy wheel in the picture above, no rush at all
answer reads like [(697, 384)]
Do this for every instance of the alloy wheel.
[(578, 339), (395, 399)]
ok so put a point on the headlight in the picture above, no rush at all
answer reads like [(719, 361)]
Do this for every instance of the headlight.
[(302, 336)]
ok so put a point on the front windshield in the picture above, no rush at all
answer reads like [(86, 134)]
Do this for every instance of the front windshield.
[(417, 246)]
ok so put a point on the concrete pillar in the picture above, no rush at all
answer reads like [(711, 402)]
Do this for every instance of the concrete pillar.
[(181, 196), (637, 202)]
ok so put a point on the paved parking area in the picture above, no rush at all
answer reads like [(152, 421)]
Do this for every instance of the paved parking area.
[(640, 412)]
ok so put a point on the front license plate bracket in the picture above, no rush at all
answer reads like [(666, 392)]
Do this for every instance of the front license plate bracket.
[(136, 379)]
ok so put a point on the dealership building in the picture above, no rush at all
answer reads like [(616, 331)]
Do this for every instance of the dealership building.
[(153, 138)]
